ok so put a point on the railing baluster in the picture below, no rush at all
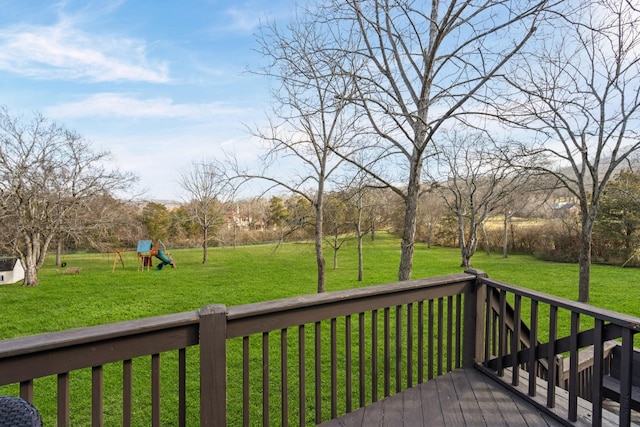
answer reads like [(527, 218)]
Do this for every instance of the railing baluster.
[(127, 392), (348, 366), (386, 353), (626, 361), (515, 340), (420, 342), (361, 357), (265, 379), (533, 343), (488, 327), (182, 387), (495, 331), (502, 332), (155, 390), (318, 371), (245, 381), (26, 390), (598, 372), (573, 366), (96, 396), (459, 329), (334, 368), (284, 378), (302, 394), (430, 339), (450, 357), (551, 356), (409, 345), (440, 354), (64, 416), (374, 355), (398, 348)]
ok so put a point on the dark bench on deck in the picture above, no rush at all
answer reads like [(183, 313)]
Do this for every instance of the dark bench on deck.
[(611, 382)]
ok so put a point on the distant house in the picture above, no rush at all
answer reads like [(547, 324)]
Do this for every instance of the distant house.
[(11, 270), (562, 209)]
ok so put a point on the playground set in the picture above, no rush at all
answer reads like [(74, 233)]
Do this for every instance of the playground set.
[(146, 252)]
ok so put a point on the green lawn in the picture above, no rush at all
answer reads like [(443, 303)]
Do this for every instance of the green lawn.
[(242, 275), (257, 273)]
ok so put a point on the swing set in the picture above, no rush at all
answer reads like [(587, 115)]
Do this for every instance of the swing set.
[(146, 251)]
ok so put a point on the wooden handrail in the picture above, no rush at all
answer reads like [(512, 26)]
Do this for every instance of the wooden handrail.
[(272, 315), (26, 358)]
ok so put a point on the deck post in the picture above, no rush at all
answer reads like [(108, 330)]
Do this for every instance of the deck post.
[(213, 365), (626, 363), (473, 345)]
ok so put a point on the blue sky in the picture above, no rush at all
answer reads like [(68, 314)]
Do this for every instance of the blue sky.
[(156, 83)]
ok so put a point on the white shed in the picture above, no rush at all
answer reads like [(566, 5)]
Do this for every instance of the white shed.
[(11, 270)]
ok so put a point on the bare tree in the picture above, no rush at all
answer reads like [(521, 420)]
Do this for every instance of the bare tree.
[(47, 173), (337, 215), (473, 182), (579, 94), (524, 199), (307, 121), (419, 65), (209, 193), (359, 195), (103, 222), (431, 211)]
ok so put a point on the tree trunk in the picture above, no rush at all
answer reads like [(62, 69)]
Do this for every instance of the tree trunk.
[(319, 231), (360, 260), (30, 274), (485, 236), (409, 230), (359, 237), (59, 253), (505, 234), (319, 255), (584, 259), (467, 246), (373, 230), (584, 256), (466, 258), (462, 244), (35, 256), (335, 258), (31, 261), (205, 244)]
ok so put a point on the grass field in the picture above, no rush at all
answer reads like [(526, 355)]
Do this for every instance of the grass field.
[(249, 274)]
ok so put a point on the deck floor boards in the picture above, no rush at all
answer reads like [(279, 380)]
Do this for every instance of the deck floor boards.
[(464, 397)]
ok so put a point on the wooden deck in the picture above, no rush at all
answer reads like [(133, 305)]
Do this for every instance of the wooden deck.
[(464, 397)]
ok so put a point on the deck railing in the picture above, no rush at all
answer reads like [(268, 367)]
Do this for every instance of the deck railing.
[(307, 359), (556, 327)]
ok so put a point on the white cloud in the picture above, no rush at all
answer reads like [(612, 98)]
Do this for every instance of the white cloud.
[(64, 52), (118, 105)]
